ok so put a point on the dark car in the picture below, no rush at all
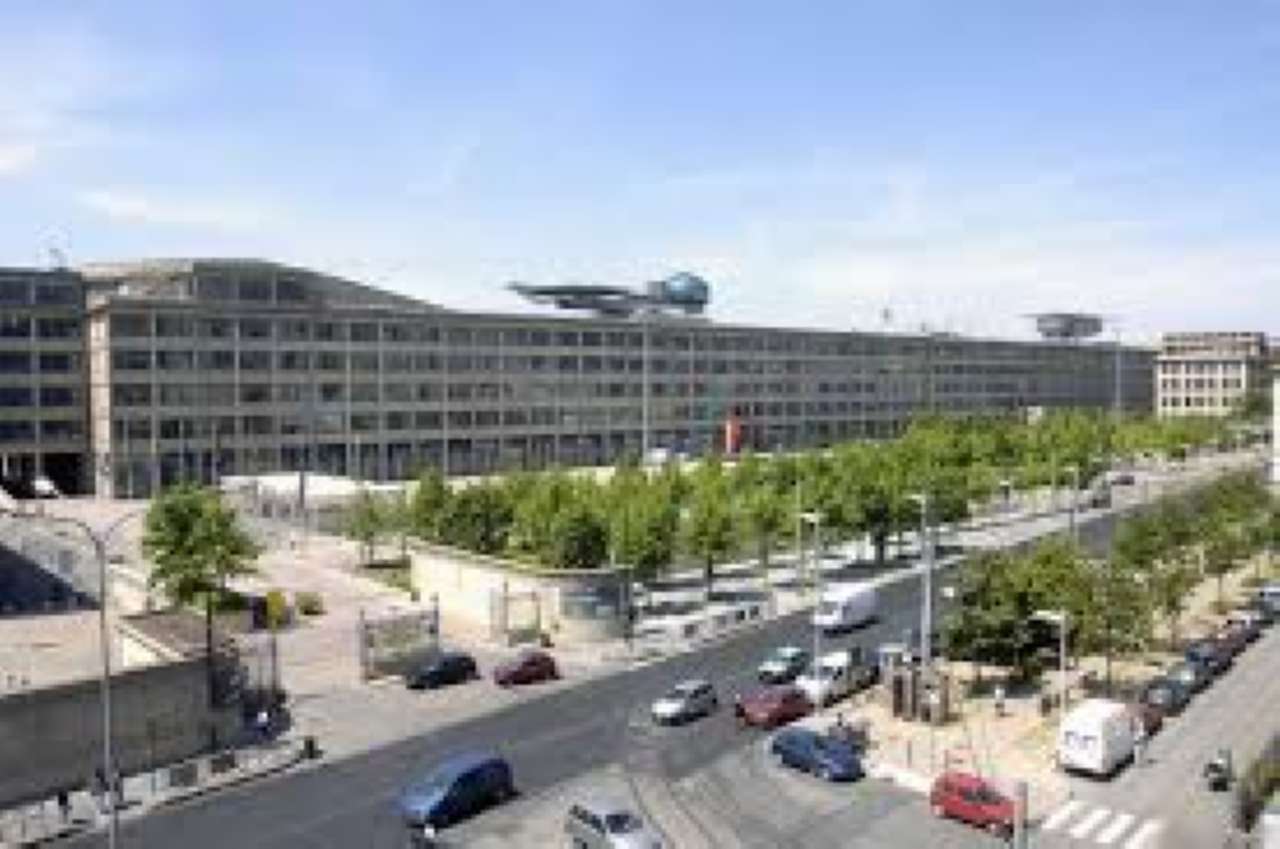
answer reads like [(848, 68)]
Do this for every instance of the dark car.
[(1149, 719), (1191, 674), (972, 799), (770, 707), (441, 670), (1167, 695), (1234, 638), (829, 758), (528, 667), (1121, 479), (1248, 621), (1211, 654), (459, 788), (1267, 611)]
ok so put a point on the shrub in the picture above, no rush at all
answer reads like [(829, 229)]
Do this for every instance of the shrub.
[(308, 603), (277, 609)]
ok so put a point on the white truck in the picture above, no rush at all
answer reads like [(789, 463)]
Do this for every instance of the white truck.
[(845, 606), (1096, 737), (834, 676)]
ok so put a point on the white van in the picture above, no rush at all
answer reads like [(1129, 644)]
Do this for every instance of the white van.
[(1096, 737), (834, 676), (844, 607)]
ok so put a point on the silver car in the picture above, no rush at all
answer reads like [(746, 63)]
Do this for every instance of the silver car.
[(606, 824), (686, 700)]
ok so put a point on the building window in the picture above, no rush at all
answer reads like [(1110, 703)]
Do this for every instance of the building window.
[(174, 360), (217, 360), (365, 393), (15, 327), (57, 363), (364, 422), (364, 331), (255, 328), (294, 361), (217, 328), (215, 287), (295, 330), (16, 431), (15, 292), (331, 331), (253, 288), (15, 396), (57, 396), (255, 393), (255, 360), (173, 326), (13, 362), (332, 361), (290, 290), (364, 361), (58, 328), (131, 395), (56, 430)]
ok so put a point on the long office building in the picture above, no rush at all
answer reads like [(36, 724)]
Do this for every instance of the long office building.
[(122, 378)]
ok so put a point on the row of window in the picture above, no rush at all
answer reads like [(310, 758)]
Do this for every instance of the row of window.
[(20, 291), (50, 396), (21, 327), (22, 362), (25, 431), (1175, 385), (1203, 367)]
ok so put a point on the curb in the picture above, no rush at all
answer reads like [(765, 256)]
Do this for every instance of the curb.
[(234, 781)]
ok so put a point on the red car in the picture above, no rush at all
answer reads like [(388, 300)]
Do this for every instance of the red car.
[(973, 800), (770, 707), (527, 668)]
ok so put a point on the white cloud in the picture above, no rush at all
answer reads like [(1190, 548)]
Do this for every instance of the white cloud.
[(140, 208), (17, 157)]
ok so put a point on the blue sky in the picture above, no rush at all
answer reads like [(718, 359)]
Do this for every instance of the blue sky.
[(957, 164)]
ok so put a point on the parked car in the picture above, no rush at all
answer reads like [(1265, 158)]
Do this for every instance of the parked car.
[(441, 670), (1120, 478), (829, 758), (972, 799), (528, 667), (1211, 654), (783, 665), (685, 701), (1266, 611), (457, 789), (1191, 674), (1149, 719), (601, 823), (1233, 638), (1248, 621), (1166, 694), (772, 706), (846, 606), (834, 676), (1095, 737)]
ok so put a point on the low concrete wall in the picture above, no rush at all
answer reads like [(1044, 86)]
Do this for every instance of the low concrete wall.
[(51, 739), (573, 606)]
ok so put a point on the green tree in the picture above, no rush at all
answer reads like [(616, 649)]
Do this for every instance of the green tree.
[(366, 522), (428, 505), (579, 540), (762, 515), (478, 518), (1222, 551), (708, 519), (196, 547)]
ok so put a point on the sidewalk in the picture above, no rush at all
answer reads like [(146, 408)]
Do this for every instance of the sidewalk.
[(41, 823)]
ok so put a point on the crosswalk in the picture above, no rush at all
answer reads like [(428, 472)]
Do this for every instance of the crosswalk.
[(1102, 826)]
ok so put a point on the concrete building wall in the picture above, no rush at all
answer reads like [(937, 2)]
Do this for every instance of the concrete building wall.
[(51, 738), (1210, 374)]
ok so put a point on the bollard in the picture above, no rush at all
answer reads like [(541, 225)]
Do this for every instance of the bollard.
[(310, 749), (1020, 814)]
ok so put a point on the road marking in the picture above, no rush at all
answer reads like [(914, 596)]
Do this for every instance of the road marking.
[(1115, 829), (1061, 815), (1090, 822), (1143, 836)]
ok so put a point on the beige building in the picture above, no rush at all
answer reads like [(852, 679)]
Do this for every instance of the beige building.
[(197, 369), (1211, 374)]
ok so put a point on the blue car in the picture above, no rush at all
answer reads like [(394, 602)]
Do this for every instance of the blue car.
[(829, 758), (459, 788)]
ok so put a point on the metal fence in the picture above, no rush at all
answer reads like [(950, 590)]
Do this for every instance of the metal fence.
[(390, 643)]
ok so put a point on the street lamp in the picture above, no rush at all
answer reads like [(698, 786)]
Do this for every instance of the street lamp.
[(99, 538), (926, 609), (1074, 472), (1059, 619), (814, 518)]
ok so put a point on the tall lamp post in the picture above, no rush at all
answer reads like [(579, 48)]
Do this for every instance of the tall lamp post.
[(814, 518), (1074, 473), (926, 609), (100, 538)]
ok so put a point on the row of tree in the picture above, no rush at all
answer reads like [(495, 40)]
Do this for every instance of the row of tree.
[(649, 519), (1160, 554)]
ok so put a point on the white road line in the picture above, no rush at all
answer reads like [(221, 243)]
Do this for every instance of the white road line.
[(1061, 815), (1116, 828), (1143, 837), (1090, 822)]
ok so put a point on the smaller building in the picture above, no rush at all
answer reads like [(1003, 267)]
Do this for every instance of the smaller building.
[(1211, 373)]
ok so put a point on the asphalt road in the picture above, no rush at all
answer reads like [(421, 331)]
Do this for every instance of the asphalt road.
[(548, 740)]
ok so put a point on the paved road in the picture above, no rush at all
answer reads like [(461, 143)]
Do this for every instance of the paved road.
[(548, 740), (1165, 799)]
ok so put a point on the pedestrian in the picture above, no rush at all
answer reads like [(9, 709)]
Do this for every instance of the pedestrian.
[(263, 724), (64, 806)]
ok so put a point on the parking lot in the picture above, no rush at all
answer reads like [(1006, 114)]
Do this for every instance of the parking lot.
[(742, 799)]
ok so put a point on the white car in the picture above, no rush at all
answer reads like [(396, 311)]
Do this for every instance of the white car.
[(833, 677), (685, 701), (783, 665)]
